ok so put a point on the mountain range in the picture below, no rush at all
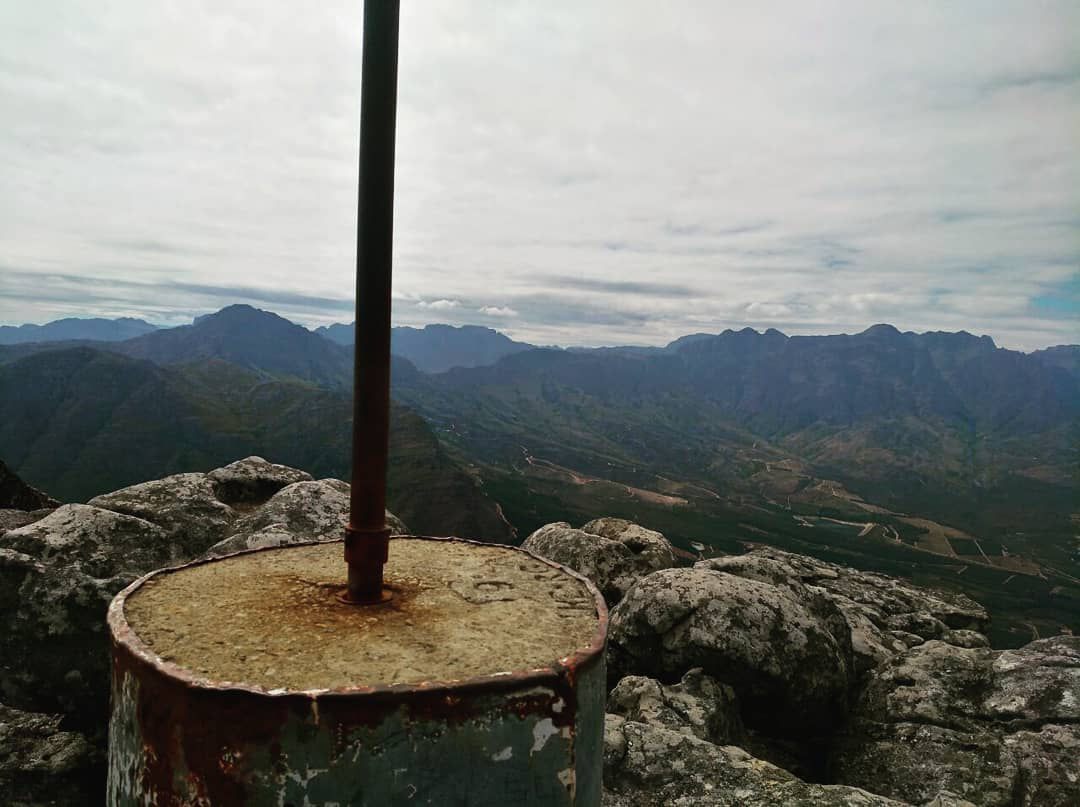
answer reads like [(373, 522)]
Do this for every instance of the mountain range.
[(103, 330), (437, 348), (937, 456)]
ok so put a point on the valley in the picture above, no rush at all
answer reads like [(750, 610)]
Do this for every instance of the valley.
[(936, 457)]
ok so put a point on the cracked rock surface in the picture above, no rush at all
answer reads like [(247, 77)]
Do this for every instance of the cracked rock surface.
[(41, 764), (1000, 727), (612, 552), (887, 691)]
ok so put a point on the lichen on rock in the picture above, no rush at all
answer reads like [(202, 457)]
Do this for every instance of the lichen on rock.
[(612, 552), (999, 727)]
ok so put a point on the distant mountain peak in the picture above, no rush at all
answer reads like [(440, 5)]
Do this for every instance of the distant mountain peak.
[(239, 312), (882, 329), (251, 338)]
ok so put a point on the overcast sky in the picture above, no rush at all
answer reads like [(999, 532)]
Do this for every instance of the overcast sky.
[(568, 172)]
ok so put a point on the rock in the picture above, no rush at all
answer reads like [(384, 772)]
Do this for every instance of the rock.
[(698, 705), (885, 614), (947, 799), (1049, 765), (11, 519), (253, 480), (965, 638), (17, 495), (1036, 684), (647, 765), (787, 657), (183, 505), (302, 511), (396, 525), (42, 765), (996, 727), (651, 549), (611, 552), (58, 576)]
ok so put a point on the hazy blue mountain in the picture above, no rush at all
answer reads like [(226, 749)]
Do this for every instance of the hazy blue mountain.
[(1067, 357), (339, 333), (250, 338), (100, 330), (437, 348)]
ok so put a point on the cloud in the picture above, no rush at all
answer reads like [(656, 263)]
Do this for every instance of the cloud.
[(439, 305), (497, 311), (812, 167)]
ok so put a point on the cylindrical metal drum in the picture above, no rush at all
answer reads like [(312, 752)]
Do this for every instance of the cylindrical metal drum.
[(246, 680)]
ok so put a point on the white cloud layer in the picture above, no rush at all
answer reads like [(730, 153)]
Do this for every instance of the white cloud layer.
[(438, 305), (497, 311), (607, 171)]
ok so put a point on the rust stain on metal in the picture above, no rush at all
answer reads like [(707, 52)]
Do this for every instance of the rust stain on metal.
[(195, 761)]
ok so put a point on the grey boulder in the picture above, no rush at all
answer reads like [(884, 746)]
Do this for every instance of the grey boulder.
[(185, 506), (57, 577), (648, 766), (253, 480), (997, 727), (698, 705), (42, 765), (787, 655), (612, 552), (885, 615), (300, 512), (11, 519)]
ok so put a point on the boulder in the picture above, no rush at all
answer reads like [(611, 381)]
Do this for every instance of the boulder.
[(11, 519), (612, 552), (698, 705), (42, 765), (57, 577), (185, 506), (648, 765), (302, 511), (787, 656), (885, 615), (997, 727), (253, 480)]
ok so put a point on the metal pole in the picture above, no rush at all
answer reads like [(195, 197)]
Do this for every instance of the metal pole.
[(367, 537)]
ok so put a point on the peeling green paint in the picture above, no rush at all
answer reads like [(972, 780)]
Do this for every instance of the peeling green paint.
[(496, 757)]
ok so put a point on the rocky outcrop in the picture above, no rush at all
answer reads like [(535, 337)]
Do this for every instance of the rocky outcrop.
[(998, 727), (11, 519), (698, 705), (715, 668), (58, 576), (674, 745), (612, 552), (253, 480), (40, 764), (647, 766), (885, 615), (59, 572), (185, 506), (17, 495), (302, 511), (851, 677), (787, 656)]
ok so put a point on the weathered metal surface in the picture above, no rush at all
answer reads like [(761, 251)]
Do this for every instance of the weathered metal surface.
[(532, 737), (367, 538)]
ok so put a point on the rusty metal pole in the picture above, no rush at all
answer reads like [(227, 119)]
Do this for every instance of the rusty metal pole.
[(367, 536)]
